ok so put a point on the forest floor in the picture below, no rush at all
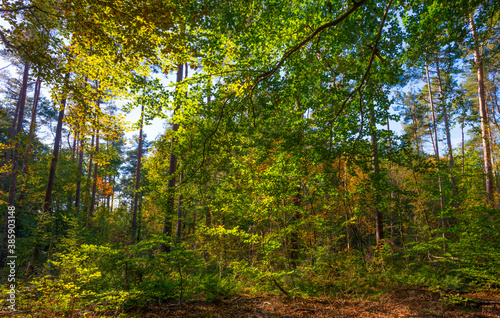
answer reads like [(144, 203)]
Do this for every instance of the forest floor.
[(404, 302), (398, 303)]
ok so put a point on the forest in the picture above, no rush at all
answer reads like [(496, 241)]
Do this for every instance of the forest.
[(319, 158)]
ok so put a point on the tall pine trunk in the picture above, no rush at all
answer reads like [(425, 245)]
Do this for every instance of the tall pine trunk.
[(488, 169), (447, 130), (436, 146), (137, 180)]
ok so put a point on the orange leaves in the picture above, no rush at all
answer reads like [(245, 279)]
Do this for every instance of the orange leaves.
[(104, 188)]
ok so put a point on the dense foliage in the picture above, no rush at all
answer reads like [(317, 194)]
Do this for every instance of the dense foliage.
[(280, 170)]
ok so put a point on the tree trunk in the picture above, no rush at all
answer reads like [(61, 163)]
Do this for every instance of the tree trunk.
[(391, 180), (79, 177), (379, 224), (47, 202), (137, 179), (436, 148), (38, 85), (89, 168), (447, 130), (294, 234), (94, 182), (167, 226), (15, 162), (463, 145), (11, 143), (179, 214), (96, 166), (488, 169)]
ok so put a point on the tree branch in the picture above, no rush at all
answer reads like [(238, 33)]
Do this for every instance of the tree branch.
[(19, 9), (309, 38), (6, 42)]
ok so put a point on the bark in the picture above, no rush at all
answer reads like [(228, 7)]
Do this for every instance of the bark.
[(391, 175), (447, 130), (179, 207), (94, 182), (73, 149), (79, 177), (379, 224), (96, 166), (47, 202), (17, 137), (488, 169), (492, 144), (15, 163), (11, 139), (137, 179), (179, 215), (167, 225), (208, 215), (18, 114), (346, 209), (55, 155), (89, 168), (436, 148), (294, 235), (31, 133)]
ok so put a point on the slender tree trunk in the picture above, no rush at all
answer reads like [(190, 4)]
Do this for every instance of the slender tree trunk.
[(38, 85), (15, 163), (96, 166), (139, 218), (47, 202), (493, 140), (167, 226), (94, 182), (137, 179), (379, 224), (488, 169), (208, 215), (73, 149), (18, 120), (436, 148), (447, 130), (55, 155), (463, 145), (492, 144), (294, 234), (179, 207), (179, 214), (112, 197), (11, 143), (391, 175), (346, 210), (79, 177), (90, 165)]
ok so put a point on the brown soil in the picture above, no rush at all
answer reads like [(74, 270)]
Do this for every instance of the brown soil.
[(405, 302)]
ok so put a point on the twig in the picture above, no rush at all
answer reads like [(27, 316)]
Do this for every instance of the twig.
[(280, 288)]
